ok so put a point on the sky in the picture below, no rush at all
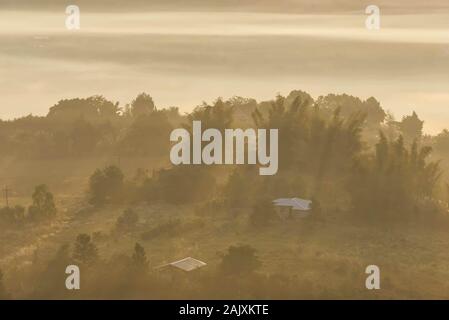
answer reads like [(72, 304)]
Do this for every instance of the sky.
[(185, 55)]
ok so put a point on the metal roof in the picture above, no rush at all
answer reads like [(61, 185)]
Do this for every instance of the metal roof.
[(188, 264), (295, 203)]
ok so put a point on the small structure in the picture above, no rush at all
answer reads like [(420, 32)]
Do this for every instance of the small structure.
[(187, 264), (292, 207)]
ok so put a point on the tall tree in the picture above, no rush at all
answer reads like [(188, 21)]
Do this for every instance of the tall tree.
[(411, 127), (143, 104), (139, 257)]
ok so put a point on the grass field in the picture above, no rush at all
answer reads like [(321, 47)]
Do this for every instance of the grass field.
[(328, 257)]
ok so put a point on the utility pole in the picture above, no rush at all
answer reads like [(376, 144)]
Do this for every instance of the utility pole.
[(6, 196)]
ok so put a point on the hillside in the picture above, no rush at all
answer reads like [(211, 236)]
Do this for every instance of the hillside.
[(91, 184)]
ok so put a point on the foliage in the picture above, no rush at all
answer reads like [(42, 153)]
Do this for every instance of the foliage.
[(85, 251), (142, 105), (411, 127), (43, 206), (395, 180), (139, 258), (93, 108), (142, 138), (106, 186), (180, 184)]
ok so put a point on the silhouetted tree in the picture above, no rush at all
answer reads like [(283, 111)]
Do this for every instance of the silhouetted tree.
[(143, 137), (142, 105), (441, 143), (85, 251), (219, 116), (139, 258), (180, 184), (394, 180), (106, 185), (43, 204), (92, 108), (411, 127), (83, 137)]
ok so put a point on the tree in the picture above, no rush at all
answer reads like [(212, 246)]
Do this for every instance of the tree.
[(238, 190), (106, 185), (139, 257), (83, 137), (394, 180), (240, 261), (375, 114), (349, 105), (142, 105), (292, 121), (43, 204), (219, 116), (143, 137), (312, 138), (85, 251), (441, 142), (180, 184), (91, 108), (411, 127)]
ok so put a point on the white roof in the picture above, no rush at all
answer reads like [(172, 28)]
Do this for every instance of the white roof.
[(295, 203), (188, 264)]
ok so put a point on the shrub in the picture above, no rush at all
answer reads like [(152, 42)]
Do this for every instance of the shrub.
[(106, 185)]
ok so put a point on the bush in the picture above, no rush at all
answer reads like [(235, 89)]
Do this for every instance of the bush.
[(106, 185), (181, 184)]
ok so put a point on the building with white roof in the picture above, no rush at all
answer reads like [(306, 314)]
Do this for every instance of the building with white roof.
[(291, 207)]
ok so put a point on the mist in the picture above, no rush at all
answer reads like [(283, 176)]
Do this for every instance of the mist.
[(183, 58)]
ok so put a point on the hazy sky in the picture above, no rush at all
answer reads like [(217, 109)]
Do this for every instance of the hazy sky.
[(286, 6), (182, 58)]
